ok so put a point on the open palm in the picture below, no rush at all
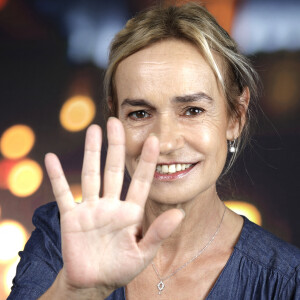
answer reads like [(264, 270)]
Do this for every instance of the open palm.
[(101, 237)]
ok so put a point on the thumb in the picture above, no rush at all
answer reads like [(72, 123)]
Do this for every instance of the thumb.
[(162, 227)]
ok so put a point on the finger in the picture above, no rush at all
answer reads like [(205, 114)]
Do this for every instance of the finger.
[(115, 159), (90, 176), (60, 187), (162, 227), (142, 178)]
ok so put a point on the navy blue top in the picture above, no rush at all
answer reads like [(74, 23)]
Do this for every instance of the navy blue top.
[(260, 267)]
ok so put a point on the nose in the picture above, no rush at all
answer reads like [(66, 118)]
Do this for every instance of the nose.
[(169, 133)]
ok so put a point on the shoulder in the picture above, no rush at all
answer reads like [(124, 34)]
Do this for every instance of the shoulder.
[(41, 258), (261, 266), (46, 219), (45, 240), (269, 251), (47, 211)]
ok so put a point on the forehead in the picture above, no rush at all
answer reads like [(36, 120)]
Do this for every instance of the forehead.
[(166, 67)]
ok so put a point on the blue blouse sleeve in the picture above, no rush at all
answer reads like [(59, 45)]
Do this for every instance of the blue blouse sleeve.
[(41, 258), (292, 288)]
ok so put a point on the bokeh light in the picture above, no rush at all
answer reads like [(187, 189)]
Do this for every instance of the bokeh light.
[(77, 113), (5, 167), (25, 178), (76, 191), (283, 89), (13, 237), (9, 275), (245, 209), (17, 141), (3, 3)]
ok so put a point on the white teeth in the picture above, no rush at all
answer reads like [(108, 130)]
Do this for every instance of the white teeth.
[(169, 169), (164, 169), (178, 167), (172, 169)]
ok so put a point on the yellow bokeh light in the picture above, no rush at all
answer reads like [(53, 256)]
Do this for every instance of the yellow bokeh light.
[(76, 191), (17, 141), (77, 113), (9, 275), (13, 237), (245, 209), (25, 178)]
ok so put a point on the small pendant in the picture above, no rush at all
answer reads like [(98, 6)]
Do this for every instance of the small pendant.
[(160, 287)]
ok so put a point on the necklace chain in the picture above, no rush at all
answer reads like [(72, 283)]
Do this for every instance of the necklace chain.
[(161, 284)]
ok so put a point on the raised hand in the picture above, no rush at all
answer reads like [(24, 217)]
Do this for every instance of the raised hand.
[(101, 237)]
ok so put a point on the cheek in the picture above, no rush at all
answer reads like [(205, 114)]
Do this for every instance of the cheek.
[(211, 139), (212, 144)]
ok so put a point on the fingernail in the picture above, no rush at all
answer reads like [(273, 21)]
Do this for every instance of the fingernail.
[(152, 134)]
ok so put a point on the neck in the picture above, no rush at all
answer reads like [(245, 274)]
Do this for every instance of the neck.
[(202, 218)]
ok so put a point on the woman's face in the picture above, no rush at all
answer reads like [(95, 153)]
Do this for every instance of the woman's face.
[(168, 89)]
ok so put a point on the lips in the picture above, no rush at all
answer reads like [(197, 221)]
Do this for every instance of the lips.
[(169, 172)]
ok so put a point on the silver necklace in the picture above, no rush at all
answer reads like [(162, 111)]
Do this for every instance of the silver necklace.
[(162, 280)]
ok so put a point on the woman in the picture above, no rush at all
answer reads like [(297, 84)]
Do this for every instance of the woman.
[(180, 93)]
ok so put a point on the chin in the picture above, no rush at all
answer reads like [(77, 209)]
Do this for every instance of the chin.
[(170, 193)]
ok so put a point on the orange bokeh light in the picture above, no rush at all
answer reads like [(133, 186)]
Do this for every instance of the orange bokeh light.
[(3, 3), (76, 192), (17, 141), (25, 178), (245, 209), (77, 113), (5, 167)]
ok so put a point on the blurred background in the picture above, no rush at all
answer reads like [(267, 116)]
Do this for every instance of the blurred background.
[(53, 54)]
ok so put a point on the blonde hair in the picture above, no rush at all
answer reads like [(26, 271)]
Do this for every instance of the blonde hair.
[(193, 23)]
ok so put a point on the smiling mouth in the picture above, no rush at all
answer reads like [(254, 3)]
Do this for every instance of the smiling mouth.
[(172, 168)]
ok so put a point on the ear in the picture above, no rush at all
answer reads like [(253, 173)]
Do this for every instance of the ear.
[(236, 125)]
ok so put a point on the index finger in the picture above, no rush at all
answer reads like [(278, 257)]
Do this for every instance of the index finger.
[(60, 186), (142, 178)]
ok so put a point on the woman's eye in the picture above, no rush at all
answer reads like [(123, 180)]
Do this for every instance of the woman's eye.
[(140, 114), (193, 111)]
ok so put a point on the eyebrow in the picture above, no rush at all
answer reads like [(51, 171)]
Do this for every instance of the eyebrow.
[(192, 98), (178, 99), (136, 102)]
